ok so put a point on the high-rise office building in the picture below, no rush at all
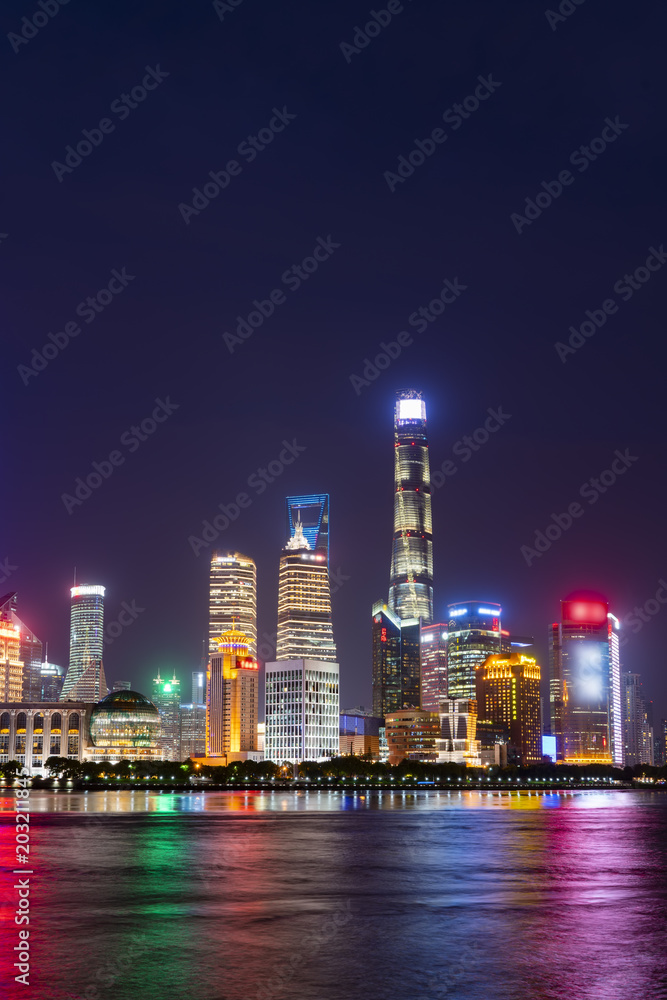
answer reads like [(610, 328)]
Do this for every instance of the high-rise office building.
[(411, 575), (386, 639), (85, 680), (166, 696), (30, 649), (637, 728), (232, 598), (11, 665), (302, 710), (584, 686), (232, 694), (473, 633), (396, 661), (192, 730), (312, 513), (305, 629), (433, 659), (508, 694), (52, 680)]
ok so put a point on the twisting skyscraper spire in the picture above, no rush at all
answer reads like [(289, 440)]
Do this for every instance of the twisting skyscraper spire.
[(411, 581)]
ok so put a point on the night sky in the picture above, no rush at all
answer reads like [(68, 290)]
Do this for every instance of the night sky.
[(341, 120)]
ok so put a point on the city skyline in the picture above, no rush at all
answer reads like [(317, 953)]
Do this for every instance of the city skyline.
[(316, 507)]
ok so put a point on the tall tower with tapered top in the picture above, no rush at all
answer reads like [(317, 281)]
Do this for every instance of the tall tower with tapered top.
[(411, 580)]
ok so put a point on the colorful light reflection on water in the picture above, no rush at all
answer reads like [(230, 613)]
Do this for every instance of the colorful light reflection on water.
[(419, 894)]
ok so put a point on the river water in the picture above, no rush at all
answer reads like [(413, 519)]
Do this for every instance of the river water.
[(334, 896)]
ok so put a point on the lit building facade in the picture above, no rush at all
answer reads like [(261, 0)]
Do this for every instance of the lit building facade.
[(124, 725), (192, 730), (473, 633), (305, 629), (411, 575), (396, 661), (411, 734), (433, 666), (508, 694), (386, 640), (457, 741), (312, 513), (166, 696), (584, 684), (85, 680), (232, 598), (31, 732), (359, 733), (637, 728), (11, 665), (302, 710), (30, 650), (232, 695)]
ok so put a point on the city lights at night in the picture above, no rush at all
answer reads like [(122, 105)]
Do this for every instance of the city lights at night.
[(332, 607)]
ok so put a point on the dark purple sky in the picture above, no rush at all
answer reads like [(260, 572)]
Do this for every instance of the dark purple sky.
[(323, 175)]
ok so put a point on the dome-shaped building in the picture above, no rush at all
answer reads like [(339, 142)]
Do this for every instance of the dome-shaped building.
[(125, 726)]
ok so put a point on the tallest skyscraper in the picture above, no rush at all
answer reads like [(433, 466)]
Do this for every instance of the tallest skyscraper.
[(397, 624), (411, 580)]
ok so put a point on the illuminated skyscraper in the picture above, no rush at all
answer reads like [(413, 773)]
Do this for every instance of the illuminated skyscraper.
[(638, 731), (232, 598), (584, 683), (166, 697), (508, 694), (305, 630), (192, 730), (473, 633), (85, 680), (11, 666), (312, 512), (302, 710), (232, 693), (433, 666), (386, 638), (411, 577), (30, 650)]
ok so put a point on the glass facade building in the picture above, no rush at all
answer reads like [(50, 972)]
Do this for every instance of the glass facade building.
[(638, 731), (312, 512), (473, 633), (192, 730), (386, 639), (302, 710), (85, 680), (305, 629), (433, 666), (584, 684), (411, 576), (125, 725), (396, 661), (232, 598), (166, 695)]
